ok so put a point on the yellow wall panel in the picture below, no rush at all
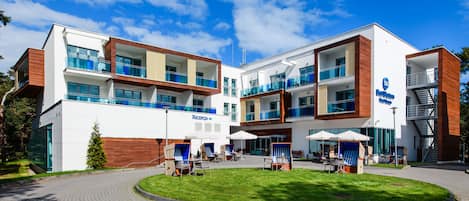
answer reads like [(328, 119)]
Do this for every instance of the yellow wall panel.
[(191, 71), (350, 59), (322, 99), (156, 66), (243, 110), (257, 109)]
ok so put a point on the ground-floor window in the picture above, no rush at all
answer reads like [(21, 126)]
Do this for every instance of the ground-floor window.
[(261, 145), (381, 139), (40, 147)]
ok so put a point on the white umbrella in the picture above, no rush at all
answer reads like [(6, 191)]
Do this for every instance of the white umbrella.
[(352, 136), (242, 135), (321, 135)]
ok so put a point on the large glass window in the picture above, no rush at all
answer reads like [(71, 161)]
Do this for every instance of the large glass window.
[(166, 99), (345, 95), (254, 83), (82, 89), (305, 101), (199, 103), (233, 112), (274, 105), (128, 60), (277, 78), (226, 108), (233, 88), (340, 61), (128, 94), (225, 86)]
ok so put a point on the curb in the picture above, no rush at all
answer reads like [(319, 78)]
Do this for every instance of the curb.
[(150, 196), (48, 178)]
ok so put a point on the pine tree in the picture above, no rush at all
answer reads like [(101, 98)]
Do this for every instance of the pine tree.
[(96, 158)]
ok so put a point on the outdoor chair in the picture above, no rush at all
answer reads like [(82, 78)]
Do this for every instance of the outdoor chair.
[(200, 165)]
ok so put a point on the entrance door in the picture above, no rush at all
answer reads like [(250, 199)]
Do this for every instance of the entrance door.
[(49, 147)]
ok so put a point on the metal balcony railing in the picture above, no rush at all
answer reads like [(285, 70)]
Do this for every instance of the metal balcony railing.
[(428, 77), (131, 70), (422, 111), (88, 64)]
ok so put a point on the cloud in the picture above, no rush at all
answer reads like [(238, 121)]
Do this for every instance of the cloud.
[(270, 27), (36, 15), (15, 40), (30, 25), (222, 26), (465, 9), (197, 42), (188, 25), (195, 8), (106, 2)]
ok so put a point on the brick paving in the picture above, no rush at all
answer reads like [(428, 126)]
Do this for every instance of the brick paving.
[(116, 186)]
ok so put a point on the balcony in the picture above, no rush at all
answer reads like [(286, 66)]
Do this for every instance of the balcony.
[(92, 99), (176, 77), (263, 89), (332, 73), (427, 78), (272, 114), (300, 81), (206, 83), (250, 116), (341, 106), (81, 63), (304, 111), (131, 70), (421, 111)]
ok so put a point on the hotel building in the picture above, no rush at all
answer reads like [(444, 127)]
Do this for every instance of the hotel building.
[(139, 93)]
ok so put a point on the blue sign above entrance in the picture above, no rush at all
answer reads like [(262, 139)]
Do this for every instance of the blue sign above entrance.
[(383, 96)]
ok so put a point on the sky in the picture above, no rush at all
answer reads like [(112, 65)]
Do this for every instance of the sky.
[(222, 28)]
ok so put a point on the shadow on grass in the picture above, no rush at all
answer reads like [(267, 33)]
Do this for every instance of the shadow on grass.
[(298, 191)]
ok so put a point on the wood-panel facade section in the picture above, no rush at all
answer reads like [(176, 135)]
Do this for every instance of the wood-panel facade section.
[(362, 79), (285, 103), (110, 55), (35, 59)]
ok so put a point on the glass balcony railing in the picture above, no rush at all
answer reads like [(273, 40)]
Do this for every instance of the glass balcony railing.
[(139, 103), (206, 82), (332, 73), (302, 80), (82, 63), (272, 114), (304, 111), (263, 89), (176, 77), (250, 116), (341, 106), (131, 70)]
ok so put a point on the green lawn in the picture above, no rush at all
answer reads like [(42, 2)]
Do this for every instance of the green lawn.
[(388, 165), (299, 184), (13, 169)]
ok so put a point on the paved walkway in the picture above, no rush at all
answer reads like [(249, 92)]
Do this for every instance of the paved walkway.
[(116, 186)]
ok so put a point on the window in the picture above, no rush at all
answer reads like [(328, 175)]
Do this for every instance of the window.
[(75, 51), (226, 109), (254, 83), (277, 78), (166, 99), (199, 103), (199, 74), (345, 95), (128, 94), (340, 61), (233, 88), (128, 60), (306, 70), (233, 112), (306, 101), (274, 105), (83, 89), (171, 69), (225, 86)]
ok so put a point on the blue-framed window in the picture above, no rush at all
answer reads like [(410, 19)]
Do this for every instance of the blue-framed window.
[(233, 112), (345, 95), (233, 88), (128, 94), (166, 99), (226, 109), (83, 89), (198, 103), (226, 82)]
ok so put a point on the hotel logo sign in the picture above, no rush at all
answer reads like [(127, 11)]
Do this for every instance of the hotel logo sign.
[(203, 118), (383, 96)]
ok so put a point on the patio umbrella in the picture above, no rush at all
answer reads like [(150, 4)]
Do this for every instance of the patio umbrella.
[(351, 136), (242, 135), (321, 135)]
